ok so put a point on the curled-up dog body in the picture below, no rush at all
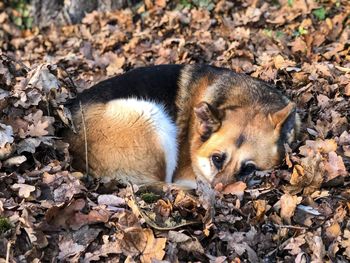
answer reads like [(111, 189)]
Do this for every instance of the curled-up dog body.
[(174, 123)]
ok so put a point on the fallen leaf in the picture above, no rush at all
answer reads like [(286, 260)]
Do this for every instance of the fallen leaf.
[(107, 248), (163, 208), (322, 146), (185, 242), (333, 231), (299, 45), (78, 219), (40, 125), (334, 166), (115, 66), (69, 248), (345, 243), (28, 145), (294, 245), (41, 78), (323, 101), (14, 161), (7, 151), (288, 206), (236, 188), (111, 200), (6, 135), (139, 241), (24, 190)]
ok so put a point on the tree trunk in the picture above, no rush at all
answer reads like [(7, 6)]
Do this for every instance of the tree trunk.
[(63, 12)]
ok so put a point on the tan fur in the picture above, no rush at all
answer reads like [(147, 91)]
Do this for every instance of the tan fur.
[(259, 144), (123, 147), (260, 125)]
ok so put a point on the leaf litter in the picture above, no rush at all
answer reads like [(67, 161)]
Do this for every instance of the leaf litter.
[(296, 213)]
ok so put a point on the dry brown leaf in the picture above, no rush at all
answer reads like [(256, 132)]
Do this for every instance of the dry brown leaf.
[(347, 90), (333, 231), (163, 208), (185, 202), (6, 135), (41, 125), (59, 215), (299, 45), (69, 248), (295, 244), (108, 247), (14, 161), (323, 101), (115, 65), (111, 200), (281, 63), (138, 241), (7, 151), (28, 145), (78, 219), (236, 188), (317, 247), (334, 166), (260, 207), (186, 242), (24, 190), (41, 78), (345, 243), (322, 146), (298, 175), (288, 206)]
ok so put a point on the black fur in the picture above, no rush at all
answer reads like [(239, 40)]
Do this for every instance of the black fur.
[(156, 83)]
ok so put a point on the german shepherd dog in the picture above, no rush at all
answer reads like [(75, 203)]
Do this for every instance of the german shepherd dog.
[(174, 123)]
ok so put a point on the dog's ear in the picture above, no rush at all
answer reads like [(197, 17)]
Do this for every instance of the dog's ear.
[(207, 119), (287, 123), (278, 118)]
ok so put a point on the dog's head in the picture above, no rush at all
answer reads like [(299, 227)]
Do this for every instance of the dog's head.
[(234, 142)]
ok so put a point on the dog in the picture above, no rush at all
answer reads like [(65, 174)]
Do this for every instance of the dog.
[(174, 123)]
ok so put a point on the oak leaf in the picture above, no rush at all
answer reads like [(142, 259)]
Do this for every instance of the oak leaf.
[(6, 135), (138, 241), (334, 166), (24, 190)]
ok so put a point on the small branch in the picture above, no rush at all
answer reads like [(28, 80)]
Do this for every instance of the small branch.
[(8, 250), (281, 246), (16, 61), (343, 69), (292, 227), (85, 139)]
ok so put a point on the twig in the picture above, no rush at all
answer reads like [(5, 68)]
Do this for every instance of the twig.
[(278, 248), (8, 250), (85, 139), (16, 61), (343, 69), (292, 227)]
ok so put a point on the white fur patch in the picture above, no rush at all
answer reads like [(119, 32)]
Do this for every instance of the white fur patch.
[(274, 149), (155, 115), (191, 184), (205, 168)]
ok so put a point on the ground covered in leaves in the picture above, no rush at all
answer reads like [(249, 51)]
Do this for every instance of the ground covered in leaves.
[(297, 213)]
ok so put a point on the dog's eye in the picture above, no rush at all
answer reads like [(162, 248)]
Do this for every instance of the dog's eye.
[(218, 160), (248, 168)]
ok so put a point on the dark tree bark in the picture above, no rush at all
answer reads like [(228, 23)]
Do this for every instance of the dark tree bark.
[(47, 12)]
